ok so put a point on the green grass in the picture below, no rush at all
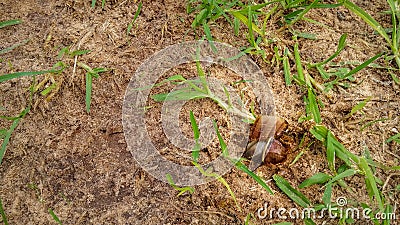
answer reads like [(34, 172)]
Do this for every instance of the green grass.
[(10, 76), (130, 25), (103, 3), (181, 190), (7, 134), (291, 192), (393, 40), (220, 179), (196, 132), (3, 214), (238, 162), (315, 79), (198, 89), (341, 162), (11, 23), (394, 138), (358, 107), (254, 17), (90, 74), (54, 216), (356, 165)]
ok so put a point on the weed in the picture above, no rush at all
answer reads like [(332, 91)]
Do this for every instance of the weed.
[(54, 216), (392, 41), (10, 76), (358, 107), (198, 89), (90, 74), (338, 76), (64, 55), (7, 133), (196, 132), (130, 25), (395, 138), (291, 192), (103, 3), (220, 179), (238, 162), (11, 23), (3, 214), (355, 164), (181, 190)]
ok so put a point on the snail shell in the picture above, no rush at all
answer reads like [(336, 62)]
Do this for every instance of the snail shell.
[(263, 146)]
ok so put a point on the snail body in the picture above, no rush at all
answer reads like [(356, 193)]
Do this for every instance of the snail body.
[(263, 146)]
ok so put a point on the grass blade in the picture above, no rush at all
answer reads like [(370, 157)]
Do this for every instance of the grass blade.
[(245, 20), (330, 151), (3, 214), (236, 25), (250, 26), (200, 17), (88, 99), (55, 217), (346, 173), (196, 132), (318, 178), (370, 181), (10, 76), (258, 179), (341, 45), (222, 143), (181, 190), (313, 106), (130, 25), (299, 66), (286, 67), (10, 131), (367, 18), (175, 79), (9, 23), (326, 198), (362, 66), (194, 126), (209, 37), (79, 52), (320, 132), (395, 138), (303, 12), (291, 192), (358, 107), (183, 95), (3, 51)]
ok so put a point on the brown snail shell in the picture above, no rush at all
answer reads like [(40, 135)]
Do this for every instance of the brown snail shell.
[(263, 146)]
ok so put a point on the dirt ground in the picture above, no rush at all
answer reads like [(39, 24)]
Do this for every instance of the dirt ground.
[(78, 164)]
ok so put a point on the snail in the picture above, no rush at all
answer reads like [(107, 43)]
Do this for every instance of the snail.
[(264, 146)]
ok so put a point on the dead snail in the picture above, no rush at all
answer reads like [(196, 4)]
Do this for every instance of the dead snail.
[(264, 146)]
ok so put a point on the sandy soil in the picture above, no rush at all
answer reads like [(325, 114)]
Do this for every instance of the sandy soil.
[(78, 164)]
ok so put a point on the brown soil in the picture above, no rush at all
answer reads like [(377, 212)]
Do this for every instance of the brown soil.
[(77, 164)]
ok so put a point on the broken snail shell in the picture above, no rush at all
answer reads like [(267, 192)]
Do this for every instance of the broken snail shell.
[(263, 146)]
